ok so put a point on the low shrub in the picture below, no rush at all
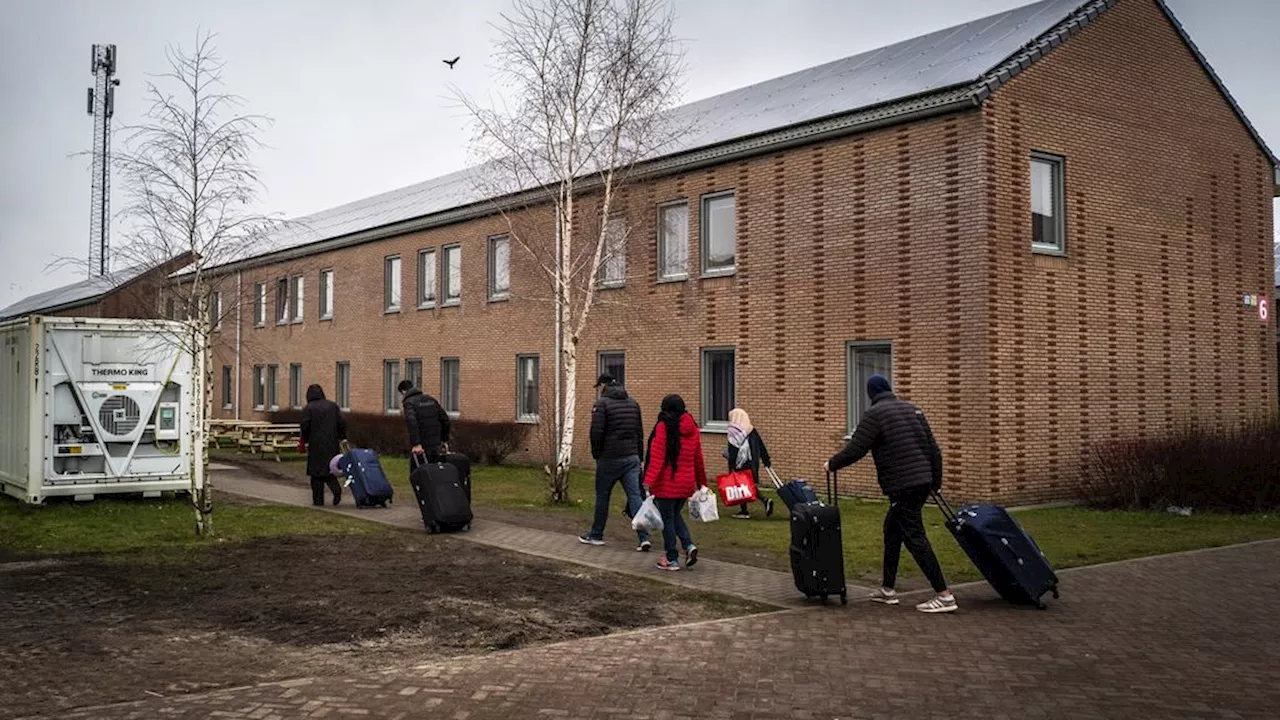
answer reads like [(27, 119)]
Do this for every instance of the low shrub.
[(1233, 470), (488, 442)]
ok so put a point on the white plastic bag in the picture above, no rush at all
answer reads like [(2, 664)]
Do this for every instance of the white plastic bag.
[(647, 518), (702, 506)]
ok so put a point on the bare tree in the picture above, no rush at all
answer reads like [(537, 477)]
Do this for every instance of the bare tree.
[(589, 82), (191, 188)]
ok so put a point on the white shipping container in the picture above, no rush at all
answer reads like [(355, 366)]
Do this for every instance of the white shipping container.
[(91, 406)]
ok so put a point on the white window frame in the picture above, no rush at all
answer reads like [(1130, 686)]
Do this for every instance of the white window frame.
[(326, 287), (704, 234), (342, 384), (391, 374), (260, 305), (497, 294), (273, 388), (663, 244), (297, 294), (228, 392), (709, 425), (600, 364), (1058, 176), (523, 415), (853, 387), (446, 284), (445, 399), (407, 375), (614, 252), (392, 287), (259, 387), (295, 386), (427, 300), (284, 304)]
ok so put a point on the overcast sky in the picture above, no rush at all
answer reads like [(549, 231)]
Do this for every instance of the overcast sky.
[(360, 97)]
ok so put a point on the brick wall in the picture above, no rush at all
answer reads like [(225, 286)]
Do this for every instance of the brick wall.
[(1141, 326), (852, 240)]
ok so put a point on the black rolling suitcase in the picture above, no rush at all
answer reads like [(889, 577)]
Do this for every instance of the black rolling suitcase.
[(1005, 554), (442, 496), (817, 548)]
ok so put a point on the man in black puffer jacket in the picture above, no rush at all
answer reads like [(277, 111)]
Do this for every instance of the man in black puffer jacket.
[(909, 468), (426, 421), (617, 444)]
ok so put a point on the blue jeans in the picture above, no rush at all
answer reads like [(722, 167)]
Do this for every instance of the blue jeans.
[(608, 473), (673, 527)]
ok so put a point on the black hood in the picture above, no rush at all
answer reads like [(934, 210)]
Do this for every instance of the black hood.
[(314, 393)]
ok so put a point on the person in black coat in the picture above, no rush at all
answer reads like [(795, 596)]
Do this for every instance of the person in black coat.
[(323, 428), (909, 468), (426, 420)]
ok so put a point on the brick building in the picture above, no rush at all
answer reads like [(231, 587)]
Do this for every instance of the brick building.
[(135, 292), (1040, 224)]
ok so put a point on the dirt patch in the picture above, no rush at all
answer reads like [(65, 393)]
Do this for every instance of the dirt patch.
[(99, 629)]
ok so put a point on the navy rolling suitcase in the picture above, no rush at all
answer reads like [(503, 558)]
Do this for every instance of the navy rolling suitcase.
[(792, 492), (1005, 554), (365, 477), (817, 548), (443, 498)]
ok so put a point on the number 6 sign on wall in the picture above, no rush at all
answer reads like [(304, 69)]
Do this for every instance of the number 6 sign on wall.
[(1264, 309)]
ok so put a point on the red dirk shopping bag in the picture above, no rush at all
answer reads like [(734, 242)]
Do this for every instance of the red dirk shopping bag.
[(736, 488)]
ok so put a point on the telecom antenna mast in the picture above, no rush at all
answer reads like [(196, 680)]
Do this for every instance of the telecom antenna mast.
[(102, 105)]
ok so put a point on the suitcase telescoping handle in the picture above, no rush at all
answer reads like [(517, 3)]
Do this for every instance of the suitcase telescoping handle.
[(947, 513), (773, 477), (832, 487)]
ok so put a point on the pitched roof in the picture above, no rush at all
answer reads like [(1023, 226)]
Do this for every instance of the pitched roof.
[(939, 72), (78, 293)]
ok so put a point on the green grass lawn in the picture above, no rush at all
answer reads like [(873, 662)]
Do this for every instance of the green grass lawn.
[(111, 524), (1070, 537)]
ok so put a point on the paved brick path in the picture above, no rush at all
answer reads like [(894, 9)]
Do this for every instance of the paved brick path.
[(767, 586), (1187, 636)]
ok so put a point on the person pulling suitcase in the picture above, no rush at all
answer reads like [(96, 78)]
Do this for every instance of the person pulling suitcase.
[(908, 468), (426, 421)]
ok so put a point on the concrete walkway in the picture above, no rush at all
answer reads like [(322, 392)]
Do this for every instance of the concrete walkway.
[(1186, 636), (766, 586)]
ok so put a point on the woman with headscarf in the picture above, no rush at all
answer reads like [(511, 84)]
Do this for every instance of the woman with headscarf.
[(323, 428), (747, 450), (674, 470)]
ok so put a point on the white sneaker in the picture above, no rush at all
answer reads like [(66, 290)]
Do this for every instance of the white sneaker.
[(938, 604), (881, 596)]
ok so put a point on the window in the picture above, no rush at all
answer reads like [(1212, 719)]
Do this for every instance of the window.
[(390, 381), (259, 304), (1048, 226), (171, 308), (282, 300), (426, 278), (298, 292), (391, 284), (259, 388), (226, 387), (413, 372), (527, 388), (719, 234), (326, 294), (673, 241), (273, 399), (449, 372), (215, 310), (615, 364), (499, 267), (865, 360), (613, 262), (342, 385), (295, 386), (452, 275), (717, 387)]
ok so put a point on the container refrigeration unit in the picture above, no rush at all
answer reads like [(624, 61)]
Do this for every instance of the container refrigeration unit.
[(91, 406)]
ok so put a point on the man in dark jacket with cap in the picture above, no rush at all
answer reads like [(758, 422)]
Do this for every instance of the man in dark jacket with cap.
[(617, 444), (909, 467), (426, 420)]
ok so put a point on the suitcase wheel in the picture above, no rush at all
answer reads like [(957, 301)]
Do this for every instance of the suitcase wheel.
[(824, 599), (1055, 592), (431, 529), (844, 598), (383, 504)]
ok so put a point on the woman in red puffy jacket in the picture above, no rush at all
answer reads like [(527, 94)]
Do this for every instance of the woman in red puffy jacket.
[(674, 470)]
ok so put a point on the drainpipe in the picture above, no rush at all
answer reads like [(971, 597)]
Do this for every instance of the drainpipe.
[(239, 321)]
